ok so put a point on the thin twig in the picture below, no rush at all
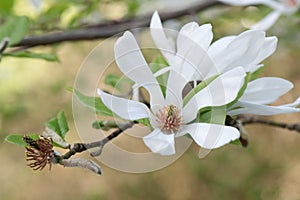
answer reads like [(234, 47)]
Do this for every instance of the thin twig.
[(111, 28), (255, 120), (80, 147)]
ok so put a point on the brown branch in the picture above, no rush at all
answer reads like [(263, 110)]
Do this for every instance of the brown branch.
[(110, 28), (80, 147), (245, 119)]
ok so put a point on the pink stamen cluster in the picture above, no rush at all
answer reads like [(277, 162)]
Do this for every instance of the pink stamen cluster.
[(169, 118)]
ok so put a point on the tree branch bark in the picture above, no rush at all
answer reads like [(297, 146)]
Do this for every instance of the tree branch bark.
[(245, 119), (110, 28)]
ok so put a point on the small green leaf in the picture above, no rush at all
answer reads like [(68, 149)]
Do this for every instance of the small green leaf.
[(59, 125), (14, 28), (18, 139), (28, 54), (94, 103), (63, 124)]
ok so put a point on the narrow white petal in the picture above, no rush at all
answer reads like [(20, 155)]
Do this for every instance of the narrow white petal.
[(267, 49), (193, 33), (258, 109), (133, 64), (161, 143), (201, 35), (164, 44), (221, 91), (266, 90), (267, 21), (124, 108), (241, 51), (211, 136), (220, 45), (296, 103)]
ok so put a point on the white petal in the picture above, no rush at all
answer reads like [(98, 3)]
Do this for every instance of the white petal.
[(201, 35), (241, 51), (220, 45), (267, 49), (161, 143), (132, 63), (192, 43), (267, 21), (258, 109), (164, 44), (266, 90), (126, 109), (211, 136), (221, 91), (294, 104), (174, 89), (193, 33)]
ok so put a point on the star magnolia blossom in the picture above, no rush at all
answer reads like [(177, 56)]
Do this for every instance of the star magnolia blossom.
[(169, 116), (281, 7), (261, 92), (248, 49)]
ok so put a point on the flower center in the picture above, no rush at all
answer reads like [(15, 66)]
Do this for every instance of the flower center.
[(169, 119)]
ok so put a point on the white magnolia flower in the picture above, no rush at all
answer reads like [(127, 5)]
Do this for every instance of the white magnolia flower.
[(261, 92), (168, 115), (280, 7), (246, 50)]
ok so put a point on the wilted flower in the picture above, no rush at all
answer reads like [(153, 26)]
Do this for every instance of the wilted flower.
[(280, 7), (168, 114), (39, 152)]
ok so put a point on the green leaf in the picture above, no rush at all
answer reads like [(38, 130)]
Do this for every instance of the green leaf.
[(28, 54), (94, 103), (6, 7), (59, 125), (18, 139), (199, 87), (14, 28)]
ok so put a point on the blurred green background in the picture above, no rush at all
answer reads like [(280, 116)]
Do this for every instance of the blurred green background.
[(32, 91)]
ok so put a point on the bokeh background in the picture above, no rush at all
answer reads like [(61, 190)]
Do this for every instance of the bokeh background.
[(32, 91)]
